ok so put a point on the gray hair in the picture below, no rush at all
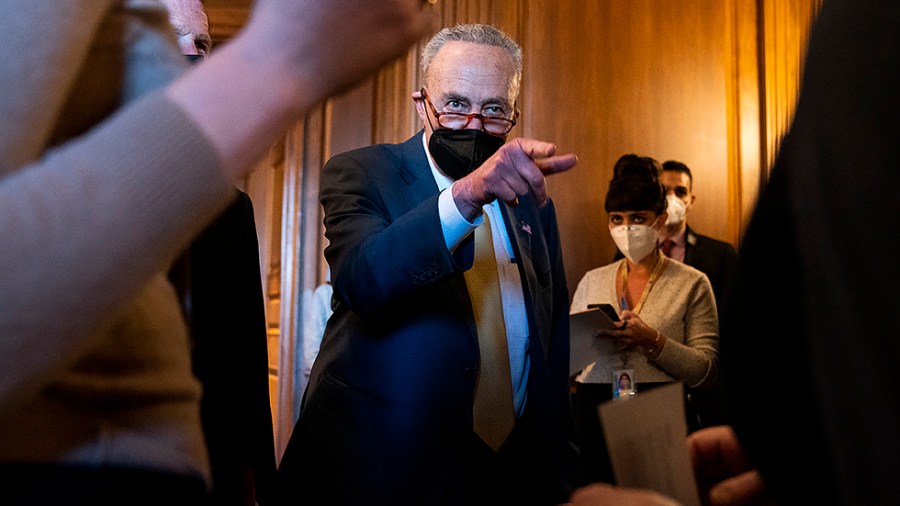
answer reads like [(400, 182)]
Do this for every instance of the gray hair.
[(475, 33)]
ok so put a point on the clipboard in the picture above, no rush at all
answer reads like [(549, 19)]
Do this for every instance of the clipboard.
[(584, 348)]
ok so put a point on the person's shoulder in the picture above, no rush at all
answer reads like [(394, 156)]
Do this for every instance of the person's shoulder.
[(593, 281), (708, 242), (683, 270), (368, 152), (379, 153), (682, 278), (602, 271)]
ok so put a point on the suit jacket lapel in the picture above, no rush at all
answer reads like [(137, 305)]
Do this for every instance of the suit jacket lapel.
[(521, 225), (521, 241), (690, 241), (416, 172), (420, 186)]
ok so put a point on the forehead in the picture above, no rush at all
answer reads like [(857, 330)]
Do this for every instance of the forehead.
[(187, 16), (470, 70), (629, 214), (673, 178)]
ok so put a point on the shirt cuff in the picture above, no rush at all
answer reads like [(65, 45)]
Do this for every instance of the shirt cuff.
[(453, 224)]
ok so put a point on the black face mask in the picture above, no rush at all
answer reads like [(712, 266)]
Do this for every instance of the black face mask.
[(459, 152)]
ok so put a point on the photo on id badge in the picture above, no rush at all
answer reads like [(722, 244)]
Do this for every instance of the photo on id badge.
[(623, 383)]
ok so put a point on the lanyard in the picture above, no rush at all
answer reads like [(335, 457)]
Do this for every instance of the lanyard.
[(654, 275)]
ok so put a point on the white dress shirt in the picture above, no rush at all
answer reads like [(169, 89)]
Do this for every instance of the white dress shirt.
[(456, 228)]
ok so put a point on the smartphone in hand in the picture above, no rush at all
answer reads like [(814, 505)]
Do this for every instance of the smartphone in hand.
[(607, 309)]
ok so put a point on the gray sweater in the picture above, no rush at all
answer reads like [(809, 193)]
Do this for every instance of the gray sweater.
[(102, 183)]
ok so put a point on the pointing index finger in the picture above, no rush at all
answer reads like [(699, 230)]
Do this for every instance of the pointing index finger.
[(536, 149), (555, 164)]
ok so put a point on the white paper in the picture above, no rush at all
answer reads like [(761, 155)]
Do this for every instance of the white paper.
[(584, 347), (647, 440)]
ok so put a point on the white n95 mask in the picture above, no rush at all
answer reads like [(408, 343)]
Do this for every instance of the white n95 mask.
[(634, 241), (676, 209)]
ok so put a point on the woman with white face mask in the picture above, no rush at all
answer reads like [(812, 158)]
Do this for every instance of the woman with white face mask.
[(668, 328)]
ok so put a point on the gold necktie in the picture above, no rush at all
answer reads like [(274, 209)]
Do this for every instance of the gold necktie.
[(492, 410)]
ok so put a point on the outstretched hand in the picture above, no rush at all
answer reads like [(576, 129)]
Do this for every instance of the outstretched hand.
[(725, 476), (360, 34), (518, 168), (282, 63)]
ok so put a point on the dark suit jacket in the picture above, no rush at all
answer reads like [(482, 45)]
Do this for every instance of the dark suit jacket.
[(220, 282), (820, 390), (390, 395), (717, 259)]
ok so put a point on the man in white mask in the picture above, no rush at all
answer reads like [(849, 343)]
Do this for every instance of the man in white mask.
[(717, 259), (714, 258)]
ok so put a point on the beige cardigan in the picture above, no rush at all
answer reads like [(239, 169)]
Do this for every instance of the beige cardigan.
[(681, 306), (94, 356)]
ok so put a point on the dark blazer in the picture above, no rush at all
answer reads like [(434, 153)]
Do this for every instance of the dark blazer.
[(819, 390), (219, 282), (389, 400), (717, 259)]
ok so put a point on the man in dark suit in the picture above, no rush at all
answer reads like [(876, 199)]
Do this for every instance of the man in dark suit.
[(821, 249), (717, 259), (220, 287), (392, 413), (230, 358)]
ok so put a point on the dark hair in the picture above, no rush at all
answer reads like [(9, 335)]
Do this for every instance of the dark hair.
[(635, 186), (677, 166)]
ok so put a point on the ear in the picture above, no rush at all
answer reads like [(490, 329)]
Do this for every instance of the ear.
[(419, 101)]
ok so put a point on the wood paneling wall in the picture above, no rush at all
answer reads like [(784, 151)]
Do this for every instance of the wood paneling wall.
[(645, 77), (785, 28), (711, 83)]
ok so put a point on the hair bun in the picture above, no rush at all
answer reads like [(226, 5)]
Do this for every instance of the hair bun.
[(635, 185), (632, 165)]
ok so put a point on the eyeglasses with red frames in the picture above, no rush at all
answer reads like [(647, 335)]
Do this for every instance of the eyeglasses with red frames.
[(492, 124)]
